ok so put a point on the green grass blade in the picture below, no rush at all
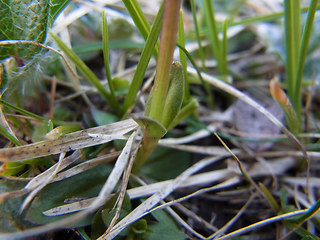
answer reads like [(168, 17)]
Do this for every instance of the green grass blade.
[(292, 40), (196, 27), (304, 50), (87, 73), (265, 18), (27, 113), (11, 138), (224, 47), (140, 20), (106, 56), (183, 58), (144, 60), (214, 35), (206, 86)]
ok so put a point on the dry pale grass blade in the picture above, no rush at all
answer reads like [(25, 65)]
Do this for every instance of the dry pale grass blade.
[(44, 183), (72, 141), (233, 91), (64, 163), (158, 196), (192, 137), (124, 184), (146, 191), (85, 166), (280, 166), (98, 202), (301, 181), (208, 150), (261, 223), (222, 230)]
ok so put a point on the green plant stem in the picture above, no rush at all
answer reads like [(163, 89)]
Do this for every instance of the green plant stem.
[(303, 53), (105, 43), (167, 45), (183, 58), (92, 78), (149, 47), (266, 18), (292, 38), (196, 27), (214, 36), (140, 20)]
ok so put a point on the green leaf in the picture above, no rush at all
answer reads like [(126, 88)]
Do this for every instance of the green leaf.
[(90, 76), (165, 227), (22, 20), (10, 219), (103, 118), (154, 128), (56, 7), (165, 164), (175, 95), (83, 185), (144, 60), (41, 131), (26, 20), (104, 216)]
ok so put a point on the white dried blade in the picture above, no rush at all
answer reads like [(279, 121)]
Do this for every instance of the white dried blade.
[(222, 230), (261, 223), (233, 91), (280, 166), (146, 191), (301, 181), (207, 150), (44, 183), (192, 137), (157, 197), (65, 162), (125, 181), (68, 142), (102, 198), (85, 166)]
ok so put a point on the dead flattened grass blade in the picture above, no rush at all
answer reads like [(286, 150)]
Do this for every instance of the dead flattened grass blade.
[(77, 140), (102, 198)]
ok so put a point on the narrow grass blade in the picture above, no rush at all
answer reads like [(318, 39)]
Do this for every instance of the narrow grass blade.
[(87, 73), (304, 49), (196, 27), (183, 57), (106, 56), (266, 18), (292, 40), (214, 35), (206, 86), (224, 47), (144, 60), (140, 20)]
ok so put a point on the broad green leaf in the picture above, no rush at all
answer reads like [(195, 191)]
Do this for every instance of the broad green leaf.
[(175, 95), (41, 131), (10, 219), (56, 7), (165, 228), (26, 20), (165, 164), (83, 185), (154, 128), (103, 118)]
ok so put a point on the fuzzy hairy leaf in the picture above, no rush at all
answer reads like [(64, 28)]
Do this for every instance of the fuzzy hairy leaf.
[(26, 20)]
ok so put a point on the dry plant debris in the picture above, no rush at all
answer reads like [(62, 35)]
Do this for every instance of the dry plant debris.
[(254, 183)]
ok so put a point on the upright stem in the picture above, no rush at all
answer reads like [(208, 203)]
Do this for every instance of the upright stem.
[(166, 49)]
